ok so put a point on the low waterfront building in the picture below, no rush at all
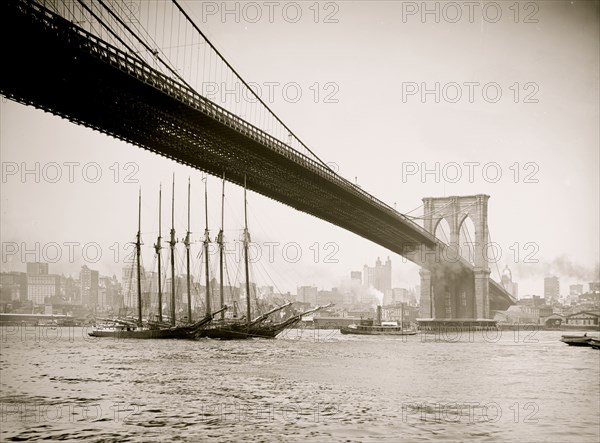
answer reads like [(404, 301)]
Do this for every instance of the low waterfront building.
[(519, 314), (584, 318), (333, 322), (552, 321)]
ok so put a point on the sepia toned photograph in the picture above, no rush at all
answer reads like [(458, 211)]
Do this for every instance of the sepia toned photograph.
[(300, 221)]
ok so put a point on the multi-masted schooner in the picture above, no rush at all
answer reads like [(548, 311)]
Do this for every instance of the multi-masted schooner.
[(206, 327), (122, 328)]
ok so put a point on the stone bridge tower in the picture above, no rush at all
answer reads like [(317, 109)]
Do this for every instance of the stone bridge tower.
[(447, 292)]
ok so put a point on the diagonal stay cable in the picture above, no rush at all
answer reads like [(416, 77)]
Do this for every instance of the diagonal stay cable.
[(248, 86), (144, 44), (114, 34)]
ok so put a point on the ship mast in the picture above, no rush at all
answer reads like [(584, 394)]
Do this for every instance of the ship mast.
[(172, 244), (138, 246), (206, 243), (220, 243), (157, 248), (186, 242), (246, 241)]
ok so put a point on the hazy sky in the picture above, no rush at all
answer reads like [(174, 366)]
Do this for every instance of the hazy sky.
[(367, 123)]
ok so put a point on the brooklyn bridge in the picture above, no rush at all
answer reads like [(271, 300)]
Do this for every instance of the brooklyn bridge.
[(140, 76)]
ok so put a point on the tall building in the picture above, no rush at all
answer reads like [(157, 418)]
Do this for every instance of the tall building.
[(88, 280), (574, 292), (37, 268), (129, 291), (152, 283), (551, 289), (399, 295), (508, 283), (13, 286), (72, 291), (355, 287), (180, 288), (244, 298), (307, 294), (42, 286), (576, 289), (265, 291), (108, 291), (379, 277)]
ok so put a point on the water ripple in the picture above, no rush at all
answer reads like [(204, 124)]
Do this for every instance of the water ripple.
[(311, 386)]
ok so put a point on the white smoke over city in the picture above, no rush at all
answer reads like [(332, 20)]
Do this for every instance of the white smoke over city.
[(377, 296), (561, 266)]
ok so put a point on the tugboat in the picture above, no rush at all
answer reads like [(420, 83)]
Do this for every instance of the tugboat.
[(366, 327)]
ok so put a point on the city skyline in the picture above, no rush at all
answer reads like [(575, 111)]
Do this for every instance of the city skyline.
[(371, 279)]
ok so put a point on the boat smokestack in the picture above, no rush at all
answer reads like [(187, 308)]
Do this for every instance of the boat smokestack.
[(379, 315)]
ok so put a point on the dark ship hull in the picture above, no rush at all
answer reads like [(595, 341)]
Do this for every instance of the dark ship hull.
[(242, 331), (376, 330), (176, 332)]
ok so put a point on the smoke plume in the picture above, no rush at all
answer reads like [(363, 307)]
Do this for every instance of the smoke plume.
[(561, 266), (377, 295)]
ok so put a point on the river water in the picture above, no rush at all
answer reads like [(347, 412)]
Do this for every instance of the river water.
[(306, 385)]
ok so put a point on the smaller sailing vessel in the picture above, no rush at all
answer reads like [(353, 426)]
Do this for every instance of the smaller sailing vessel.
[(366, 327), (123, 328)]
